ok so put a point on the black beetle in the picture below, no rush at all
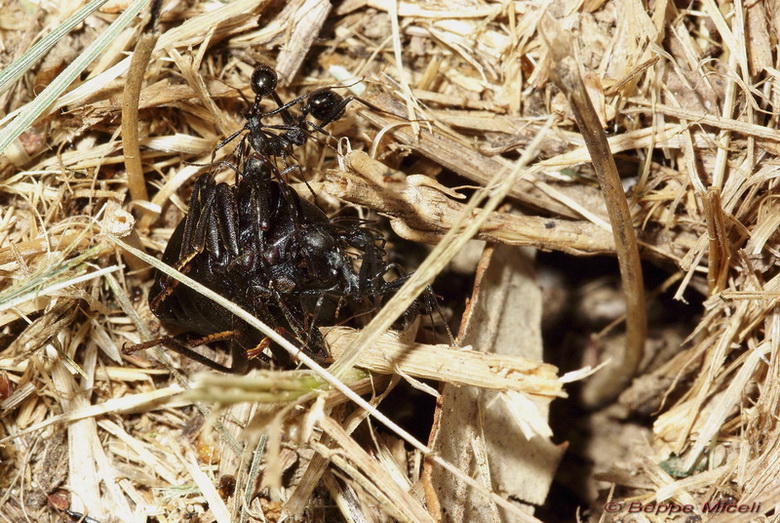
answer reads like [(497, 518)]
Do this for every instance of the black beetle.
[(278, 256)]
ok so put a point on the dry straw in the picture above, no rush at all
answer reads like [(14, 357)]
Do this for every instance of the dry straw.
[(459, 115)]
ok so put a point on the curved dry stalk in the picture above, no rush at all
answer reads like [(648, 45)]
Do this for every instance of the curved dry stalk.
[(135, 78), (566, 76)]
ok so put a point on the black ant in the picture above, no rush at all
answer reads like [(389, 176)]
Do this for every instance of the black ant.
[(323, 104)]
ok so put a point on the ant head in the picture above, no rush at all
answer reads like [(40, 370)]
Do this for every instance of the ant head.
[(264, 80), (325, 105)]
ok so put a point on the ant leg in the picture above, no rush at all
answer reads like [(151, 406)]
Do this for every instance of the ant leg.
[(284, 107), (227, 140), (302, 177), (239, 359), (373, 269), (318, 349), (431, 303), (287, 170), (315, 342), (425, 303), (221, 163)]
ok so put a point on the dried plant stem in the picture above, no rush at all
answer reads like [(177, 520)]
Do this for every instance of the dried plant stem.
[(720, 255), (40, 245), (422, 211), (389, 355), (135, 77), (566, 76)]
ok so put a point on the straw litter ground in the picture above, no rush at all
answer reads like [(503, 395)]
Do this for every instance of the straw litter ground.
[(468, 130)]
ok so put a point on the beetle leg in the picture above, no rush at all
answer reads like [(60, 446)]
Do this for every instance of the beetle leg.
[(187, 352), (132, 349), (196, 221), (227, 140), (219, 224), (257, 350), (191, 219), (280, 356), (211, 338), (239, 364), (177, 346), (204, 234)]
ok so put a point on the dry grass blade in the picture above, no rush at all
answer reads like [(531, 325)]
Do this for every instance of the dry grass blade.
[(58, 86), (12, 73)]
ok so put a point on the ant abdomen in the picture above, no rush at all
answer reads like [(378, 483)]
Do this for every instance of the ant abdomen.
[(264, 80), (325, 105)]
